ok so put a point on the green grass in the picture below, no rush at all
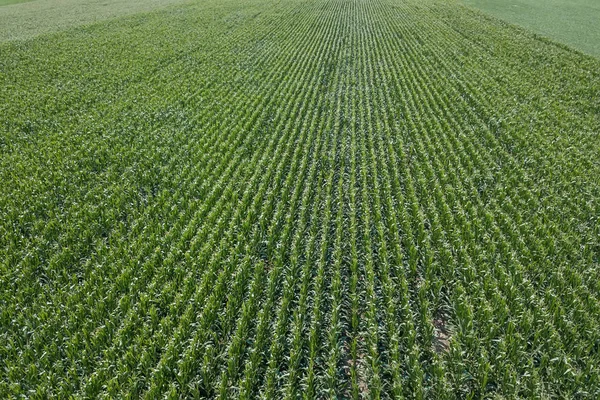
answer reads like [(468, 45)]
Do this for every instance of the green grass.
[(572, 22), (8, 2), (299, 199), (29, 19)]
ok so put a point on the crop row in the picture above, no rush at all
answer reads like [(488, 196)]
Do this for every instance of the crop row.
[(302, 199)]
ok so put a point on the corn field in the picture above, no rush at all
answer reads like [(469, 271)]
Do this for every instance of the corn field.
[(299, 199)]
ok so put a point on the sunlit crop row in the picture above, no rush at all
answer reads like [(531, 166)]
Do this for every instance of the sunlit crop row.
[(300, 199)]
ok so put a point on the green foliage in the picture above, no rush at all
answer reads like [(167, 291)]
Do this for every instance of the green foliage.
[(8, 2), (572, 22), (301, 199), (26, 19)]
